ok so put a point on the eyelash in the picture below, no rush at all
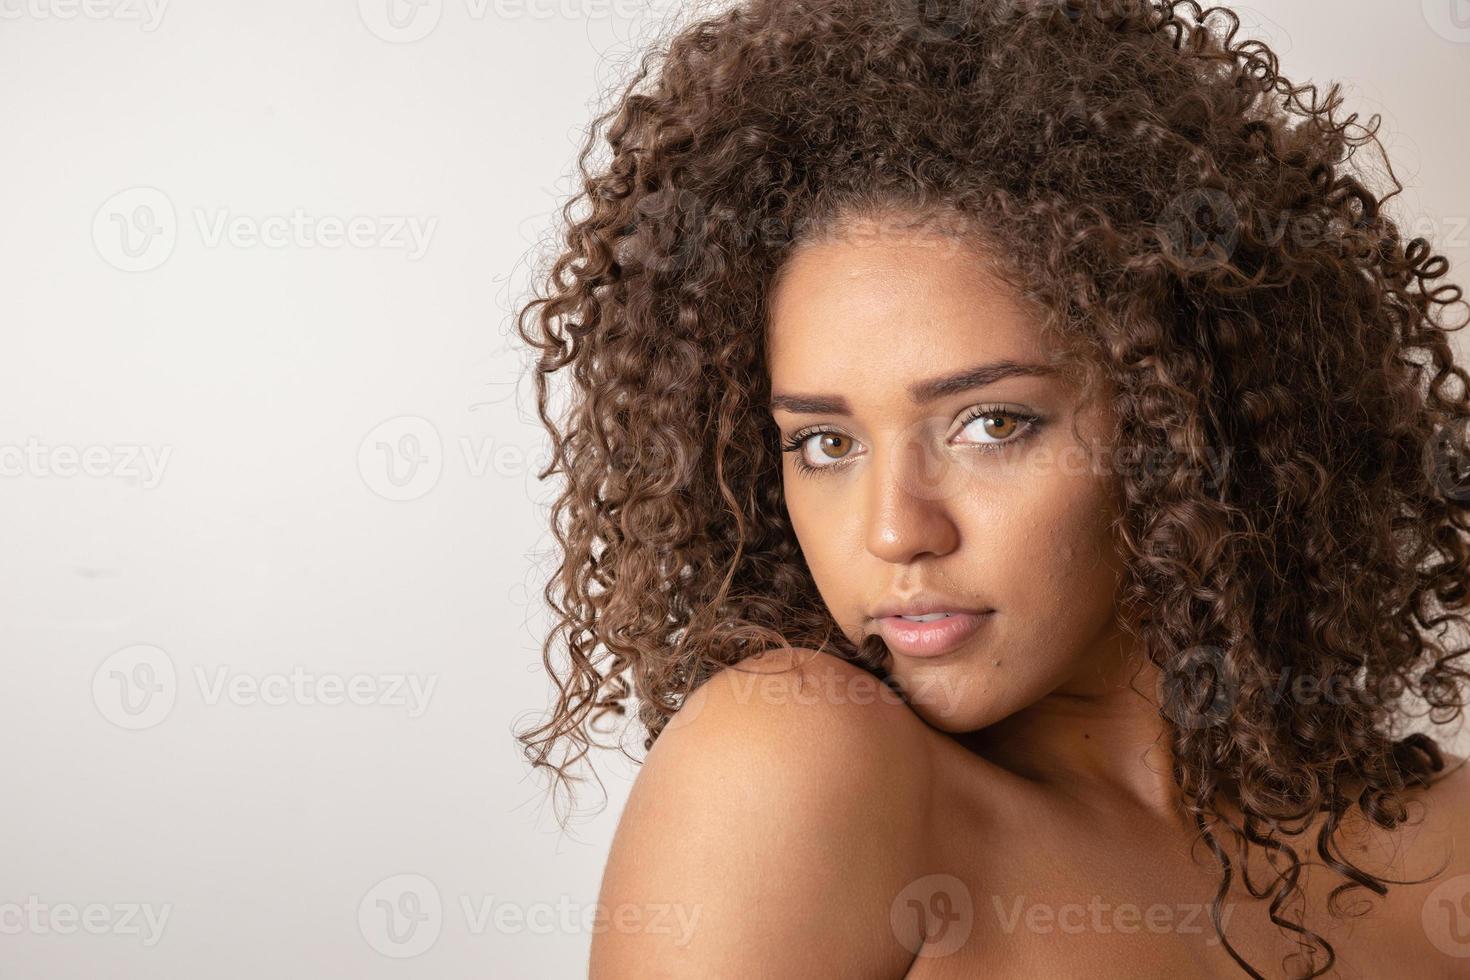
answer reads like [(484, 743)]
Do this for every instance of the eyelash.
[(794, 444)]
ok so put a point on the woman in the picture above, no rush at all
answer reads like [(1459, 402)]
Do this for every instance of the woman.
[(1015, 462)]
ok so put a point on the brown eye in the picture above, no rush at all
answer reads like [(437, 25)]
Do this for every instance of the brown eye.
[(999, 426), (995, 428), (832, 449), (832, 445)]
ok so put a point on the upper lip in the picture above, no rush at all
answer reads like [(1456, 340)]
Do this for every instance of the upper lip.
[(923, 602)]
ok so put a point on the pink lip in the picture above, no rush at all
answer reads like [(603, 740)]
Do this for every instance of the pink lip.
[(929, 639)]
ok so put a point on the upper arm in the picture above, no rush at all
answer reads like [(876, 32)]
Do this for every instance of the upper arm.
[(770, 833)]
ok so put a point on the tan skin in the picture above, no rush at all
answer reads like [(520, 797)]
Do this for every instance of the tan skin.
[(1017, 818)]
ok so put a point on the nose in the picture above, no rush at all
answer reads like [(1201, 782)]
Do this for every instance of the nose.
[(909, 511)]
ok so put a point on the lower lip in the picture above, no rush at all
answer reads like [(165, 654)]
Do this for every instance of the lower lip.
[(929, 639)]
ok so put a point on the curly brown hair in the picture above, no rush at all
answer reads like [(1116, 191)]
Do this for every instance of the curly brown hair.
[(1189, 221)]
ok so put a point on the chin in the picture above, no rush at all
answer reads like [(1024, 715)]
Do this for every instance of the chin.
[(962, 694), (952, 698)]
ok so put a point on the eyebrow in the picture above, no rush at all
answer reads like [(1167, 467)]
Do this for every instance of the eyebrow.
[(920, 392)]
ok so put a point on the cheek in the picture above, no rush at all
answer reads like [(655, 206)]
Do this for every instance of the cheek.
[(806, 522), (1049, 552), (830, 536)]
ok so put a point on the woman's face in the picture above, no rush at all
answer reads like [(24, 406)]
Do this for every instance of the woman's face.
[(922, 479)]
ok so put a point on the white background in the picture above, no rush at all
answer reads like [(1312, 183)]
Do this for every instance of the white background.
[(266, 541)]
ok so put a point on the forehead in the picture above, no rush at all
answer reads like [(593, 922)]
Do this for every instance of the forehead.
[(889, 310)]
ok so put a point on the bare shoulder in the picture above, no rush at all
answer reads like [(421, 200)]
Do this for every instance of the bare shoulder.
[(1446, 823), (1438, 821), (1451, 788), (1422, 925), (1435, 913), (777, 822)]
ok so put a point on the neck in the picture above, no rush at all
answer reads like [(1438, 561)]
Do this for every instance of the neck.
[(1096, 738)]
